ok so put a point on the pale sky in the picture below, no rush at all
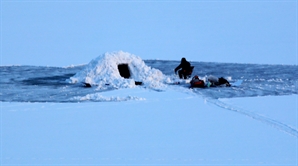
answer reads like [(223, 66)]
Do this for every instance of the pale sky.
[(62, 33)]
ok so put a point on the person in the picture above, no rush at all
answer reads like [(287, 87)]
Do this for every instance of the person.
[(197, 82), (185, 69)]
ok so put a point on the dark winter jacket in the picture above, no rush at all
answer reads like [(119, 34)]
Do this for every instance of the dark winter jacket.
[(184, 65)]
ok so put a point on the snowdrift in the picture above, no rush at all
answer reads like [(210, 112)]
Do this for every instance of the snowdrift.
[(119, 70)]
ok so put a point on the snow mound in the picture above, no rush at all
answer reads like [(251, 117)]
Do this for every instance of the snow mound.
[(103, 71)]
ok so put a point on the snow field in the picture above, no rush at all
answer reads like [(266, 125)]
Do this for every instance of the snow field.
[(172, 127)]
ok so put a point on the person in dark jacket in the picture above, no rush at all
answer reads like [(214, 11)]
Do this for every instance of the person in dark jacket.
[(185, 69)]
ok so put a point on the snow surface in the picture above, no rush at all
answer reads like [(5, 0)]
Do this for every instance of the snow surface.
[(173, 127), (153, 124)]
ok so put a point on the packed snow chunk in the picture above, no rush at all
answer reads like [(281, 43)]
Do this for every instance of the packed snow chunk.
[(99, 97), (120, 70)]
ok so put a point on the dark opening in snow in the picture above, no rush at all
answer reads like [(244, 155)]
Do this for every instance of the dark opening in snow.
[(124, 70)]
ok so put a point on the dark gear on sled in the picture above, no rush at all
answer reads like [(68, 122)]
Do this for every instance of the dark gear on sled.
[(218, 81), (196, 82)]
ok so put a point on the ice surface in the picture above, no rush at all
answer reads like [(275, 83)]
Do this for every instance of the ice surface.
[(48, 84)]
